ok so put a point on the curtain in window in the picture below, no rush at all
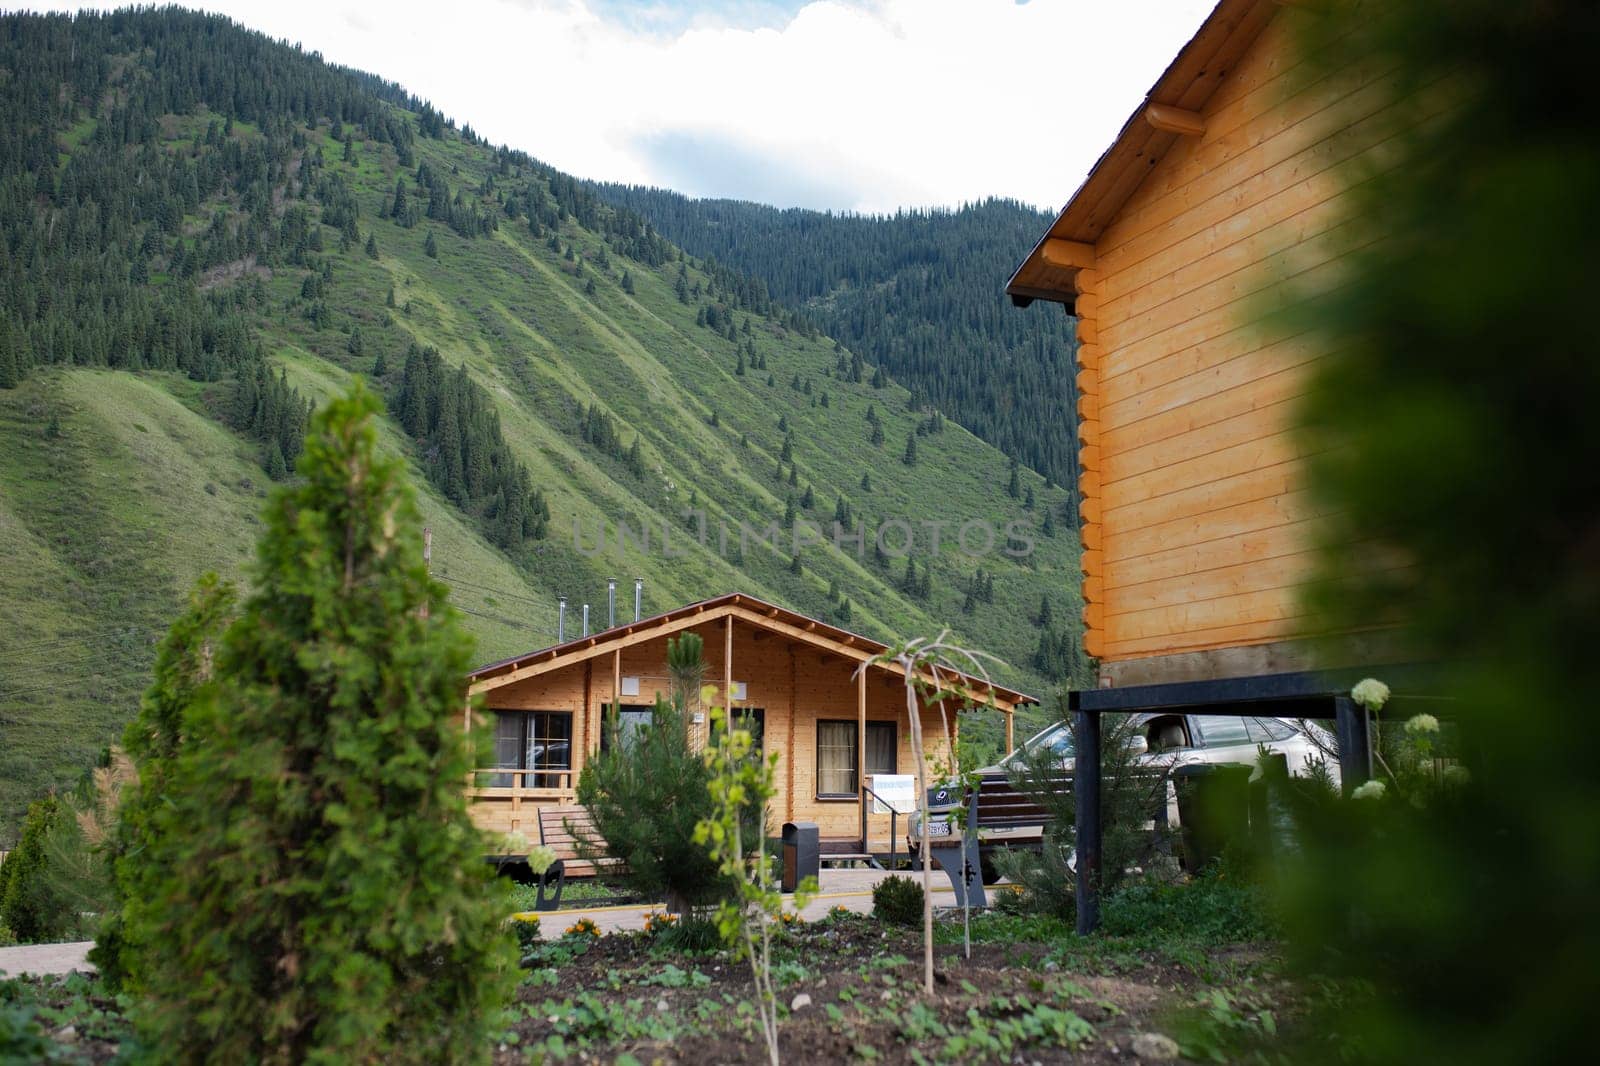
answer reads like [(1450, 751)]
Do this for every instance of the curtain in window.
[(881, 748), (507, 747), (836, 758)]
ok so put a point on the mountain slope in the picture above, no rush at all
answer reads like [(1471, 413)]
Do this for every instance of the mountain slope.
[(161, 244), (916, 291)]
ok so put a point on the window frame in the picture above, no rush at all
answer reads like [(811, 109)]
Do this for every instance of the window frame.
[(856, 770), (506, 775)]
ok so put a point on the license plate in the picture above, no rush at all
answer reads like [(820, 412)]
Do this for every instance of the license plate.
[(938, 829)]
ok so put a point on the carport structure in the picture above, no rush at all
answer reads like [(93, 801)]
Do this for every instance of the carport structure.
[(1306, 694)]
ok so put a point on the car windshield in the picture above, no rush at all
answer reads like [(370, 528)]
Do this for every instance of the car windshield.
[(1058, 739)]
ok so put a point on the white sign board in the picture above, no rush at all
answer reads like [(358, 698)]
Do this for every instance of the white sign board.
[(894, 791)]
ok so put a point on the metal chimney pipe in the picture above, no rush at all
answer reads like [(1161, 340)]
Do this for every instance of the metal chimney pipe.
[(611, 603), (586, 619), (561, 620), (638, 596)]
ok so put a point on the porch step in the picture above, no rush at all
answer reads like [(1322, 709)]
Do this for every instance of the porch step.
[(828, 857)]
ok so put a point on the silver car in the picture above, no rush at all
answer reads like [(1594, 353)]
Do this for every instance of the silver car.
[(1160, 740)]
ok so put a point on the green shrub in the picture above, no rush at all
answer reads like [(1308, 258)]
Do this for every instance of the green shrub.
[(183, 666), (323, 895), (897, 901), (31, 904), (1217, 908)]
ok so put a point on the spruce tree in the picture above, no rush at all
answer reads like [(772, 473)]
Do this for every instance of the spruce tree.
[(910, 457), (329, 900), (372, 246), (866, 481), (430, 247)]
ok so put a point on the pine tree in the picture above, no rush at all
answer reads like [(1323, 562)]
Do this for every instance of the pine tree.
[(356, 345), (1049, 526), (372, 246), (389, 303), (910, 457), (627, 283), (277, 469), (331, 763), (589, 287), (380, 367), (1014, 486), (866, 481), (1045, 616), (1028, 499), (809, 500), (795, 566), (430, 247), (877, 434)]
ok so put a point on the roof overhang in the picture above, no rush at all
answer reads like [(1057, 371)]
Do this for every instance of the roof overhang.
[(1169, 111), (747, 609)]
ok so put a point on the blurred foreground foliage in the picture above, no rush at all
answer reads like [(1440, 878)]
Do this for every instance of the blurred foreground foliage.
[(1455, 434)]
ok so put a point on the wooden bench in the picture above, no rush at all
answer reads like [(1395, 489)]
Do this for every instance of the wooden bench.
[(997, 803)]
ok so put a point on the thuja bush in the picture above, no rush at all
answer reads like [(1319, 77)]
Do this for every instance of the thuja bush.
[(30, 907), (322, 894), (898, 901), (184, 666)]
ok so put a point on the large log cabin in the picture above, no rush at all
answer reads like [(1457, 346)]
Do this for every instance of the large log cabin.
[(1220, 203), (798, 678)]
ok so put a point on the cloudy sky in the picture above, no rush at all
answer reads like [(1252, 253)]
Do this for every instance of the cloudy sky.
[(861, 105)]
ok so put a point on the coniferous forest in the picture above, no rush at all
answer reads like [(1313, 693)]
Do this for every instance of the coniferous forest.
[(917, 293), (205, 234)]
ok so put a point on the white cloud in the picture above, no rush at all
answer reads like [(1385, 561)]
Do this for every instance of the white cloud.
[(848, 104)]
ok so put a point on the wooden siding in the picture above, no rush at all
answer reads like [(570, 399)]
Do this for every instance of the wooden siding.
[(795, 684), (1195, 521)]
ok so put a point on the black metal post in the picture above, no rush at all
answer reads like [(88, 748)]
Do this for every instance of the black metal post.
[(1086, 803), (1355, 742)]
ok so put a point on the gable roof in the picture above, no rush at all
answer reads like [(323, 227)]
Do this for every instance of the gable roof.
[(737, 605), (1186, 86)]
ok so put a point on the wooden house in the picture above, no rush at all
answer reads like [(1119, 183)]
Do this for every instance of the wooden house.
[(1219, 202), (797, 678)]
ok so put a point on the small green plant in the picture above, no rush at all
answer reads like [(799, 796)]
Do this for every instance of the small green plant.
[(740, 783), (897, 901), (1223, 1024)]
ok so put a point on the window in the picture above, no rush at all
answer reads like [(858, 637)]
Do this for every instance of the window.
[(755, 720), (1266, 730), (632, 719), (532, 740), (836, 756), (1222, 730)]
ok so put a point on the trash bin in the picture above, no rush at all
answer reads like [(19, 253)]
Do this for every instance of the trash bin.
[(802, 853), (1213, 810)]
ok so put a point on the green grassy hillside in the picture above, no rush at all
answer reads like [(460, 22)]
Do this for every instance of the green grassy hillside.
[(118, 488)]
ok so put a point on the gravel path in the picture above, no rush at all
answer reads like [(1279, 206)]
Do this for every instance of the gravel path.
[(45, 958)]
